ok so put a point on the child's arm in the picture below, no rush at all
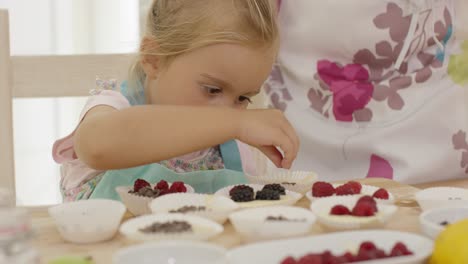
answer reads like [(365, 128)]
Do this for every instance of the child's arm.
[(112, 139)]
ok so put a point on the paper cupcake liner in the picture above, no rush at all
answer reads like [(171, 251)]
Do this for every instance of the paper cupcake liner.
[(202, 228), (88, 221), (366, 190), (290, 198), (218, 208), (321, 208), (252, 223), (437, 197), (302, 181), (139, 205)]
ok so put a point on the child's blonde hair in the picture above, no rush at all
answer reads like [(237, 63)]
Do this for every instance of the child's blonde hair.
[(174, 27)]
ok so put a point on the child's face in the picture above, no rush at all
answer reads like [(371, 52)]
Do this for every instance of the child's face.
[(221, 74)]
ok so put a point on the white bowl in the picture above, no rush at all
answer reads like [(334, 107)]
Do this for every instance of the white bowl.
[(321, 208), (202, 228), (171, 252), (139, 205), (289, 199), (431, 220), (337, 243), (217, 207), (366, 190), (296, 181), (441, 197), (88, 221), (252, 224)]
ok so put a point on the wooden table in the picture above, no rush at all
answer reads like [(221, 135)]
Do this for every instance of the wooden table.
[(51, 245)]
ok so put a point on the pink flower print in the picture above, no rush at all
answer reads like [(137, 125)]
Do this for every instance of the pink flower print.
[(380, 168), (349, 85)]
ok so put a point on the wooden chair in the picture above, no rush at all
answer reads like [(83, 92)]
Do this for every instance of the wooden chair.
[(44, 76)]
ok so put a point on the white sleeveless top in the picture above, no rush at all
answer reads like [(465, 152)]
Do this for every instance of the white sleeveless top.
[(366, 84)]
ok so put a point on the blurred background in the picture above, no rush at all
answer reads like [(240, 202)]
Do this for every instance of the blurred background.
[(41, 27)]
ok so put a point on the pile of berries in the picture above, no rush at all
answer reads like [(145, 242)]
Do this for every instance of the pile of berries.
[(365, 206), (325, 189), (367, 251), (143, 188), (245, 193)]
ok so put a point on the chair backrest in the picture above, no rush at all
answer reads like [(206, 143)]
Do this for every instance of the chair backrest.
[(45, 76)]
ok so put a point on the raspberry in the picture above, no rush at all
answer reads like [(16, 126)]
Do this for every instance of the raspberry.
[(162, 185), (322, 189), (364, 255), (381, 194), (381, 254), (340, 210), (242, 193), (239, 187), (310, 259), (344, 190), (267, 194), (368, 199), (364, 209), (347, 257), (356, 186), (289, 260), (140, 183), (177, 187), (400, 249), (367, 246), (328, 258), (275, 187)]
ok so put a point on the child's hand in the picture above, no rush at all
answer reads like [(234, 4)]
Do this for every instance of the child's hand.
[(269, 130)]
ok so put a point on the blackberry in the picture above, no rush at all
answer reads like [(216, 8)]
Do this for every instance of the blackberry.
[(275, 187), (242, 193), (240, 187), (267, 194)]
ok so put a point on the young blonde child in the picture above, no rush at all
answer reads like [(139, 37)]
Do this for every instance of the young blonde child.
[(200, 63)]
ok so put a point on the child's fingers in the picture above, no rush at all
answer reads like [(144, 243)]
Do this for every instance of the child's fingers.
[(291, 133), (282, 141), (273, 154)]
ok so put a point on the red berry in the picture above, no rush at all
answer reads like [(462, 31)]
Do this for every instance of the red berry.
[(381, 254), (356, 186), (177, 187), (140, 183), (365, 255), (348, 257), (381, 194), (368, 199), (310, 259), (328, 258), (340, 210), (367, 245), (289, 260), (344, 190), (363, 209), (400, 249), (162, 185), (322, 189)]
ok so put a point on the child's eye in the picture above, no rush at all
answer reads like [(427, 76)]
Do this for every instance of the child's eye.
[(212, 89), (245, 99)]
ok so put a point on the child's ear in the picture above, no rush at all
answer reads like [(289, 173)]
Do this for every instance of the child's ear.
[(150, 63)]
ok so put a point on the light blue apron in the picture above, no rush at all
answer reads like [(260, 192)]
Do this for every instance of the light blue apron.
[(208, 181)]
